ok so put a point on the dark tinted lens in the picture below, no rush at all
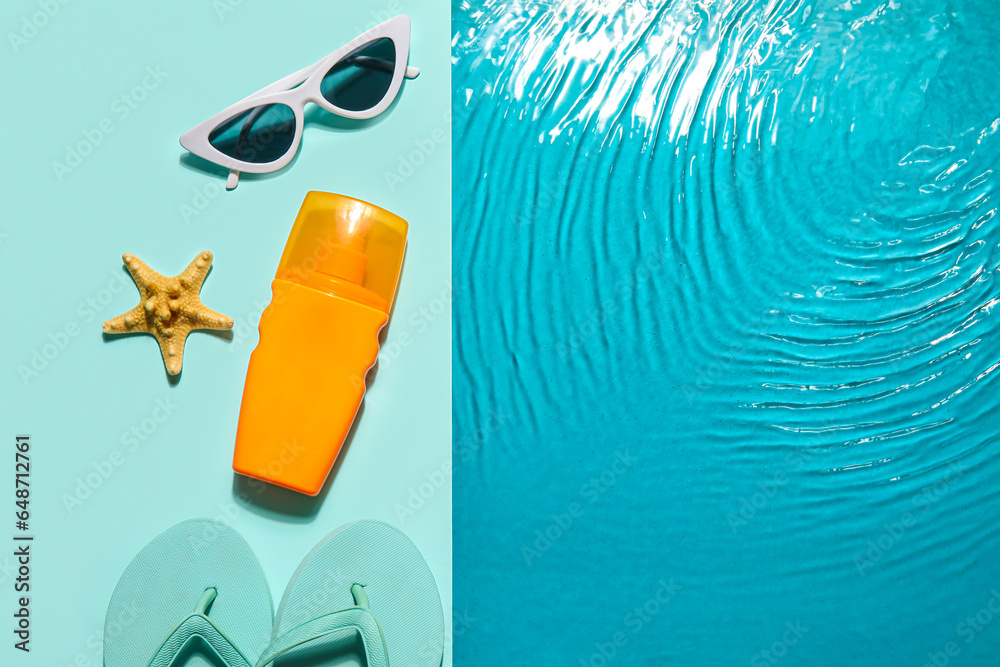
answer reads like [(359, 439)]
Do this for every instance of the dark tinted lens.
[(360, 80), (261, 134)]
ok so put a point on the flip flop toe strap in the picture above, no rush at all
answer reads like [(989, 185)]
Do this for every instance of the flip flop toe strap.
[(198, 625), (358, 618)]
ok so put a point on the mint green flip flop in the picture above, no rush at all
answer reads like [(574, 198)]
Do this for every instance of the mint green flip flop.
[(193, 597), (363, 596)]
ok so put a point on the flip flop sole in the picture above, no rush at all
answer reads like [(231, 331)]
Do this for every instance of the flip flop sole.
[(164, 582), (401, 590)]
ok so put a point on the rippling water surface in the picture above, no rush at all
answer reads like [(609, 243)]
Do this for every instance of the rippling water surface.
[(725, 345)]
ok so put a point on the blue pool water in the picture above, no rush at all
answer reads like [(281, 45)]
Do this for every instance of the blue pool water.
[(726, 332)]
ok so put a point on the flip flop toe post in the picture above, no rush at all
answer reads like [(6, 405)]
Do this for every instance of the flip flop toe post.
[(363, 596), (194, 597)]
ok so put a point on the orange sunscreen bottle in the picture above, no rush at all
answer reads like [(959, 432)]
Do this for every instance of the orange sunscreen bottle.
[(318, 338)]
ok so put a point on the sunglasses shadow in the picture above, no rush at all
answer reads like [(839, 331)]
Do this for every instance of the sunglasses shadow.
[(315, 116), (203, 166)]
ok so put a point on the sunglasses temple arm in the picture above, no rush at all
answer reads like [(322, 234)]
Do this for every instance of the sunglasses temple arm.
[(295, 79), (248, 124), (380, 64)]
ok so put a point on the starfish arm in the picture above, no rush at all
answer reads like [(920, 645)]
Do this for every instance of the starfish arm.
[(194, 275), (169, 308), (172, 349), (133, 320), (141, 274), (204, 317)]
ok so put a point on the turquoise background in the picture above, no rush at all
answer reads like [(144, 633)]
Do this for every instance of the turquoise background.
[(61, 246)]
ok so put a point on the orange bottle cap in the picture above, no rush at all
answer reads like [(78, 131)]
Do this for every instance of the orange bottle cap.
[(345, 246)]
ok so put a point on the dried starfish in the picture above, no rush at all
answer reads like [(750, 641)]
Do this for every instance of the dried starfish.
[(169, 308)]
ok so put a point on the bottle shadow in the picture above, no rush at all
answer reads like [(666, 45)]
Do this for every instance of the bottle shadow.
[(282, 504)]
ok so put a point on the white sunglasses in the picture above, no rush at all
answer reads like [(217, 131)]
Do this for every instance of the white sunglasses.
[(261, 132)]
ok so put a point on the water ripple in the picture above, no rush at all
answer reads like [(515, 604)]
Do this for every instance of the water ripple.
[(749, 237)]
